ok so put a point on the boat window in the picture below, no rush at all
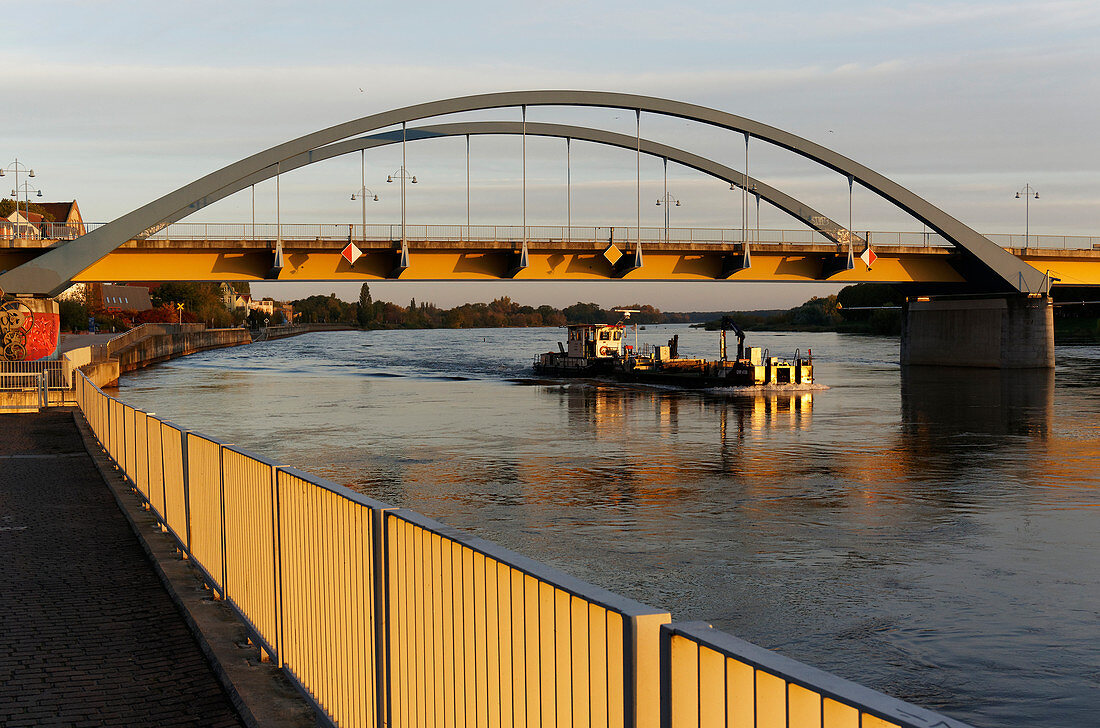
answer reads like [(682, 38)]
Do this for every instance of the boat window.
[(618, 335), (605, 335)]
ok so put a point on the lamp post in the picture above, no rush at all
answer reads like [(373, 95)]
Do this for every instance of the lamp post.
[(364, 194), (26, 188), (402, 174), (1027, 192), (668, 201), (16, 167)]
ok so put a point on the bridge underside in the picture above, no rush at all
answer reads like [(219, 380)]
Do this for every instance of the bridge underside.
[(320, 260)]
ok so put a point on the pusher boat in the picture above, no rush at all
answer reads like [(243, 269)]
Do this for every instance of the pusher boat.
[(599, 350)]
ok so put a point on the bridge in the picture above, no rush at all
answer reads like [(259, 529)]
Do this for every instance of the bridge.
[(1016, 283), (313, 252)]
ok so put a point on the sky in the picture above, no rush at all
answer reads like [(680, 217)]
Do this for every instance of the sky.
[(117, 103)]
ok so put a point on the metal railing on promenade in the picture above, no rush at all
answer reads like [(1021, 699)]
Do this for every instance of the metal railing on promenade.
[(383, 617), (54, 373), (620, 234)]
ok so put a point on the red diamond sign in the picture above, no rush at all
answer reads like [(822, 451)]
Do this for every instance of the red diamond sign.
[(351, 253), (868, 257)]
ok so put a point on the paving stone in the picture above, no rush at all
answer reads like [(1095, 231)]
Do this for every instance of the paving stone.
[(88, 635)]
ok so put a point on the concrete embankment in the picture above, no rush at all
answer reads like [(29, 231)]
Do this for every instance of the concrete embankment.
[(281, 332), (163, 347), (104, 361)]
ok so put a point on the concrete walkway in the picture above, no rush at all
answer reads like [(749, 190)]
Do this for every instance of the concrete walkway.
[(88, 634)]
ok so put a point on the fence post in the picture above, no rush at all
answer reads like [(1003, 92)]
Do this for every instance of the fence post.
[(186, 488), (277, 564), (221, 499), (380, 569)]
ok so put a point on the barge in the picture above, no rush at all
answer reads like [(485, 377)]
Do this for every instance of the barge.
[(600, 350)]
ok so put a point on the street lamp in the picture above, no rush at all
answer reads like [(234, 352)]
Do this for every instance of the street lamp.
[(669, 201), (363, 193), (17, 168), (1027, 191), (402, 174), (26, 188), (668, 198)]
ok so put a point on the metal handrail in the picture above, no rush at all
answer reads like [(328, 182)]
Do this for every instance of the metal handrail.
[(56, 373), (618, 234)]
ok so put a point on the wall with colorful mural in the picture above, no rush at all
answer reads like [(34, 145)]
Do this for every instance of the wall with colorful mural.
[(29, 329)]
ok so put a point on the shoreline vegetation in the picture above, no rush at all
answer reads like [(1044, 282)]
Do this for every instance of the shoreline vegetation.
[(865, 308)]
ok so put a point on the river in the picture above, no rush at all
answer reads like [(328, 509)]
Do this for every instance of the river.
[(932, 534)]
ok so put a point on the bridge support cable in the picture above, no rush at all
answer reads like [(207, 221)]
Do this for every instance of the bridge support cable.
[(277, 258), (745, 208), (467, 189), (638, 245), (568, 191), (523, 248)]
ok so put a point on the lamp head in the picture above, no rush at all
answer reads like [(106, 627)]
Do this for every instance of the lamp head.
[(1036, 195), (389, 178), (658, 203), (353, 196), (1, 171), (31, 173), (376, 198), (1017, 195), (414, 179), (677, 203), (39, 193), (733, 186)]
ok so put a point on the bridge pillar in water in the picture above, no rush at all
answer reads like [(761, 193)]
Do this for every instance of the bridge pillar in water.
[(1009, 331), (30, 329)]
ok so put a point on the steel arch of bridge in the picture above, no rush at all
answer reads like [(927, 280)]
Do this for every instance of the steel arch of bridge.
[(50, 272), (788, 204)]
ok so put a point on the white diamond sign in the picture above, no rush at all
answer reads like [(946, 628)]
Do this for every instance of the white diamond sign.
[(351, 253), (868, 257)]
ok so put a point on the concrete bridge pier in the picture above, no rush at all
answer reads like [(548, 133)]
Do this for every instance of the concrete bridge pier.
[(1000, 331)]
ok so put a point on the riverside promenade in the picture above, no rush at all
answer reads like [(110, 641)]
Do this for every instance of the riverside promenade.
[(90, 636)]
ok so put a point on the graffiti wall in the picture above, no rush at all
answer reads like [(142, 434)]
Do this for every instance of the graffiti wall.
[(29, 329)]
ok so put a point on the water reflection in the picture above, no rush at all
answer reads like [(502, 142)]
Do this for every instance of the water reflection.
[(938, 401), (605, 410)]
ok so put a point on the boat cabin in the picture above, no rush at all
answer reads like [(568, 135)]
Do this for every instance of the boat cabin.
[(595, 341)]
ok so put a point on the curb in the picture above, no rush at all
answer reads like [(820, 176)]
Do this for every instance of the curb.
[(258, 691)]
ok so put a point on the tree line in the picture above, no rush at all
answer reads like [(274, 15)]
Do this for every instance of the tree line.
[(501, 312)]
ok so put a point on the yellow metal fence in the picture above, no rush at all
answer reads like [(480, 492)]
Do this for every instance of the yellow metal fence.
[(383, 617)]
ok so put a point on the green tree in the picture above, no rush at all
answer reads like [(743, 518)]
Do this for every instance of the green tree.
[(74, 315), (364, 313), (7, 207)]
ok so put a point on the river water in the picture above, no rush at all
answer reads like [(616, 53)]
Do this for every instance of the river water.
[(931, 534)]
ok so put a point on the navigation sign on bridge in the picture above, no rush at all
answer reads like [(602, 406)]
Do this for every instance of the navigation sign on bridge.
[(868, 257), (351, 253)]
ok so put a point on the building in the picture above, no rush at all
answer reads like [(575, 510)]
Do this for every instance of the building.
[(49, 220), (265, 306), (125, 298), (67, 222), (22, 225)]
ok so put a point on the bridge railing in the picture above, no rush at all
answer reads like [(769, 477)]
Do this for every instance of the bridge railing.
[(621, 235), (382, 617)]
